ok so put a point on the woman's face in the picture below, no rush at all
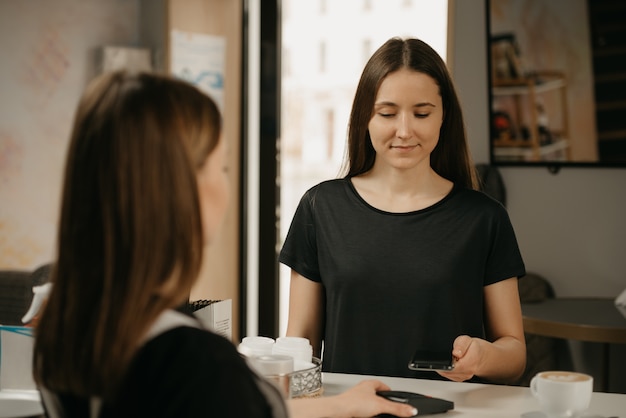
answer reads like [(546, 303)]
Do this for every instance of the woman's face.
[(408, 114), (213, 190)]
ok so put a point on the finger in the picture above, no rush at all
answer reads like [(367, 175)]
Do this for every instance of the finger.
[(456, 376), (398, 409), (377, 384), (461, 345)]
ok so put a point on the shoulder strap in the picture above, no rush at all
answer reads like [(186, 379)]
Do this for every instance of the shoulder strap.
[(51, 403), (54, 408), (168, 320)]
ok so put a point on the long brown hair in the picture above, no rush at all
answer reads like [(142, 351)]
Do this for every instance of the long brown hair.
[(450, 158), (130, 237)]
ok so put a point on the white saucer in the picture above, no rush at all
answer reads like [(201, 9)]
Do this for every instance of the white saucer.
[(539, 414), (20, 403)]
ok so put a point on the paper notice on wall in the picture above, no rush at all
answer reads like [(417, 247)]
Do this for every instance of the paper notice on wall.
[(116, 58), (200, 59)]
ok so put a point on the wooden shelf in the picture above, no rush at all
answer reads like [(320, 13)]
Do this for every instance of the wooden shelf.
[(515, 151), (522, 87), (540, 82)]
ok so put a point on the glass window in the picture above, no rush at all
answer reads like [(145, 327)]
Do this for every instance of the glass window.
[(316, 104), (367, 50)]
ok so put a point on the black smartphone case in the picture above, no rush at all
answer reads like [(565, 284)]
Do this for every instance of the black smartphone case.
[(426, 405)]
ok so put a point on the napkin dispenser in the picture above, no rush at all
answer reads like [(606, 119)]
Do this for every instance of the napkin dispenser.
[(16, 346), (216, 315), (16, 358)]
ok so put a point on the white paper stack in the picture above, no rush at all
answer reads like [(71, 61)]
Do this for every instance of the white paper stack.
[(216, 315)]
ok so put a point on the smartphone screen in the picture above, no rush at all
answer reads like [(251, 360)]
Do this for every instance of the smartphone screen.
[(431, 360)]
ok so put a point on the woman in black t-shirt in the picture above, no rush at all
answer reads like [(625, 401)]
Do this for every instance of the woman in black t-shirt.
[(403, 253), (145, 189)]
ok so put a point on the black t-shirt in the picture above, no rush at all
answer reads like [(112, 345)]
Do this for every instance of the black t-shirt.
[(198, 374), (187, 372), (395, 282)]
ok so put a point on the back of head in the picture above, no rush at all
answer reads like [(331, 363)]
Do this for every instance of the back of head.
[(450, 158), (130, 235)]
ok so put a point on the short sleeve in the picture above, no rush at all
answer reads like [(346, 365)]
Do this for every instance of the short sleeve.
[(505, 259), (299, 250)]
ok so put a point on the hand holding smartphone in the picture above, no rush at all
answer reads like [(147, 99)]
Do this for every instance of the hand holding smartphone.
[(431, 360)]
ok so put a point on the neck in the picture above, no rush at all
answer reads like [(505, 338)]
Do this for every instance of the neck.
[(395, 190)]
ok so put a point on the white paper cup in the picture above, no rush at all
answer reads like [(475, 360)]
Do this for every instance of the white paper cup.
[(256, 346), (276, 368), (562, 393), (297, 347), (302, 365)]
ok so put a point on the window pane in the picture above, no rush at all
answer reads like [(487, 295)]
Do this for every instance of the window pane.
[(327, 45)]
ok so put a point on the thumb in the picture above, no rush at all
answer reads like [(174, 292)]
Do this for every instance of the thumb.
[(401, 410), (461, 345)]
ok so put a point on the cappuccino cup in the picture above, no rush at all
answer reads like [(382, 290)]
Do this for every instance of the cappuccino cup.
[(562, 394)]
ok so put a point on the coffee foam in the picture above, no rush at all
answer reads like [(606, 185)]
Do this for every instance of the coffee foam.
[(565, 376)]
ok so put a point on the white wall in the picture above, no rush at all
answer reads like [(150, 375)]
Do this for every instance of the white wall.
[(49, 53), (571, 226)]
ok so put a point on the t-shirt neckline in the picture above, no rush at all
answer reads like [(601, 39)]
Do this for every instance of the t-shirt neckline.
[(354, 191)]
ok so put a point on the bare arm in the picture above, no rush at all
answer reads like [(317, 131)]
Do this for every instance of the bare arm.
[(306, 310), (502, 357), (359, 401)]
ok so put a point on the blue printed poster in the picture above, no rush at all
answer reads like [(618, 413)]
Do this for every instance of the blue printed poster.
[(200, 59)]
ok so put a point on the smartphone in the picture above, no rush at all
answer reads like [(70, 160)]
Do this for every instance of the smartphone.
[(431, 360), (425, 404)]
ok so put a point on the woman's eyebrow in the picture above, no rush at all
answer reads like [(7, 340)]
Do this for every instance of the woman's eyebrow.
[(385, 103), (424, 104), (392, 104)]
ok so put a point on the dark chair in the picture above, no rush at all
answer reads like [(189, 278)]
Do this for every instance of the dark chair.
[(542, 353), (491, 182)]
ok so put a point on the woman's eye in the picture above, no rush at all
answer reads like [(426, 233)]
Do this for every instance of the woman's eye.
[(422, 115), (386, 115)]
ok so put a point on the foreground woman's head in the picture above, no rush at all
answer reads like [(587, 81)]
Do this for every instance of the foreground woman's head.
[(144, 190)]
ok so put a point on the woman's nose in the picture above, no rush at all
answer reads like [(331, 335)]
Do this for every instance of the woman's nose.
[(403, 128)]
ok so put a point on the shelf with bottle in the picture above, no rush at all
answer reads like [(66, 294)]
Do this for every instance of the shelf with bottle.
[(536, 140)]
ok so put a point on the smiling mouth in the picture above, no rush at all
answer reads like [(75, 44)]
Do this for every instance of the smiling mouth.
[(404, 147)]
